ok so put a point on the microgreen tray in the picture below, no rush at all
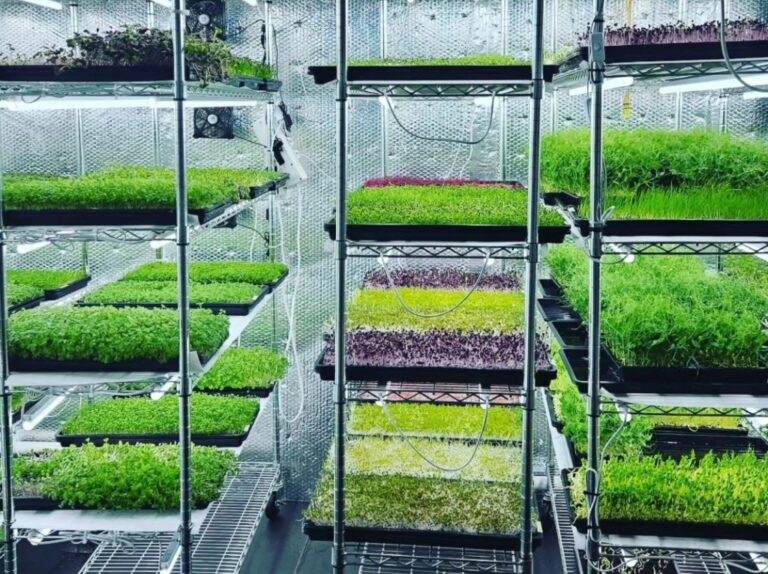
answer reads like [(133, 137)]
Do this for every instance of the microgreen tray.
[(116, 217), (677, 442), (221, 441), (233, 309), (117, 74), (419, 374), (53, 366), (52, 294), (419, 537), (714, 532), (28, 304), (669, 227), (664, 380), (447, 233), (432, 74)]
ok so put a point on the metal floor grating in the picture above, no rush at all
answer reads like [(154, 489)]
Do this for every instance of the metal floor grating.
[(224, 537), (562, 515), (701, 565), (408, 559)]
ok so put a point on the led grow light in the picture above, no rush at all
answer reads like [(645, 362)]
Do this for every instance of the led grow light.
[(164, 3), (46, 4), (24, 248), (755, 95), (96, 102), (609, 84), (718, 82), (41, 412)]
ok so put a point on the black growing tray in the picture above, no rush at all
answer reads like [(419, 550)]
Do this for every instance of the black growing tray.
[(665, 380), (53, 294), (260, 190), (116, 217), (668, 227), (220, 441), (234, 309), (28, 304), (556, 310), (419, 537), (432, 74), (261, 393), (677, 52), (117, 74), (40, 503), (418, 374), (53, 366), (677, 442), (447, 233), (677, 529), (549, 288)]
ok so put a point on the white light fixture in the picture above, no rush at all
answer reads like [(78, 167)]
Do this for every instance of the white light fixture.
[(46, 4), (608, 84), (24, 248), (94, 102), (164, 3), (160, 392), (706, 84), (41, 413), (755, 95), (251, 2)]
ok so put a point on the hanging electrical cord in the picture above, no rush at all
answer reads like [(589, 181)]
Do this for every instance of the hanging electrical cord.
[(456, 307), (445, 140), (727, 56), (291, 345), (422, 456)]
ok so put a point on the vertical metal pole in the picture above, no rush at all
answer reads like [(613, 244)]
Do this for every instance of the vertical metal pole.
[(725, 100), (276, 422), (6, 429), (597, 75), (150, 14), (182, 244), (504, 125), (268, 39), (383, 54), (338, 558), (151, 23), (531, 266)]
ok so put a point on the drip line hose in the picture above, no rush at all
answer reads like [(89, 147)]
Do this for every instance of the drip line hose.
[(727, 56), (456, 307), (444, 140), (290, 345), (486, 407)]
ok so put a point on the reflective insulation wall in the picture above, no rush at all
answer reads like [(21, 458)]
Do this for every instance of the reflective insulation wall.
[(383, 141)]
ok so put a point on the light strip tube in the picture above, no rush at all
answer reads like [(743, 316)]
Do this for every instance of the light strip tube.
[(251, 2), (39, 415), (755, 95), (164, 3), (94, 102), (609, 84), (24, 248), (719, 82), (46, 4)]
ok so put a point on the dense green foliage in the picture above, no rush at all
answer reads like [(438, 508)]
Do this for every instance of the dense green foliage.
[(750, 270), (729, 489), (668, 311), (443, 205), (130, 188), (482, 312), (657, 174), (211, 415), (437, 421), (391, 456), (167, 292), (243, 369), (45, 279), (431, 504), (110, 335), (476, 60), (212, 272), (19, 293), (124, 477)]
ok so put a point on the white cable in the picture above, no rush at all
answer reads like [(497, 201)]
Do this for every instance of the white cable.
[(727, 56), (445, 140), (442, 313), (486, 407)]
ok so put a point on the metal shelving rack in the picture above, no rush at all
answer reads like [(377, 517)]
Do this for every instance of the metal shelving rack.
[(688, 554), (174, 94), (379, 557)]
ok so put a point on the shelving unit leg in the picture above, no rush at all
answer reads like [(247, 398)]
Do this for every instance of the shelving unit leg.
[(596, 78), (531, 266), (182, 245), (338, 558), (7, 428)]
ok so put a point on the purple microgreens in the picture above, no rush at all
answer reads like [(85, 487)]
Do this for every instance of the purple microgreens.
[(437, 349), (745, 30)]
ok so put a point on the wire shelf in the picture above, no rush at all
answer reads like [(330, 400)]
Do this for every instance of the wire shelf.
[(561, 511), (438, 90), (392, 559), (437, 250), (435, 393)]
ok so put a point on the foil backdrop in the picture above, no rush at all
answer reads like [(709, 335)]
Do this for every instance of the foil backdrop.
[(47, 142)]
